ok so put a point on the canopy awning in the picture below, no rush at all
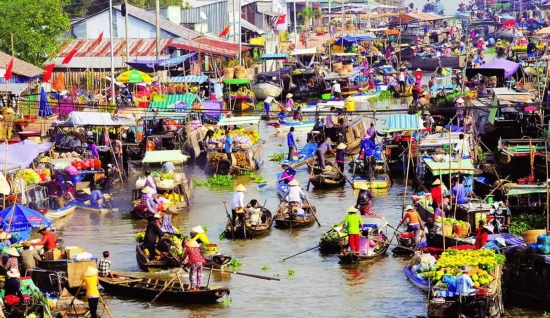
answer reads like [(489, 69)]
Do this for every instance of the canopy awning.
[(463, 166), (348, 39), (275, 56), (239, 120), (22, 153), (498, 67), (310, 51), (526, 189), (88, 119), (403, 122), (189, 79), (164, 156)]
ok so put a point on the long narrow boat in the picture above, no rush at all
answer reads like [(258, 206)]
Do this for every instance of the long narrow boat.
[(415, 280), (284, 219), (148, 288), (253, 230), (333, 241), (82, 205), (59, 213), (327, 179), (298, 125), (281, 186), (379, 252), (304, 156), (147, 265)]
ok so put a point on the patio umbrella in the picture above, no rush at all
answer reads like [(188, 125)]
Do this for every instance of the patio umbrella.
[(509, 23), (134, 76), (22, 219), (44, 110)]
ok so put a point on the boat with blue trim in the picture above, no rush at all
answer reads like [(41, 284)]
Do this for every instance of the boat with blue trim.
[(308, 152), (61, 212)]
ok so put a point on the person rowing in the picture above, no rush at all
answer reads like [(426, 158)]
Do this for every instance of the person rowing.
[(288, 173), (294, 194)]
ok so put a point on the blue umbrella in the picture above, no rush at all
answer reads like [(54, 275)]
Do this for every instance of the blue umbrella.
[(20, 218), (44, 110)]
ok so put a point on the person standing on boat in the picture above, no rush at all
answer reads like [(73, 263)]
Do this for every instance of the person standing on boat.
[(48, 241), (330, 122), (415, 223), (228, 144), (197, 234), (367, 150), (428, 120), (91, 280), (336, 90), (462, 147), (321, 150), (195, 262), (364, 200), (267, 104), (149, 182), (289, 105), (418, 77), (151, 233), (70, 193), (237, 203), (371, 133), (354, 226), (340, 156), (437, 196), (28, 257), (394, 61), (458, 192), (459, 105), (117, 151), (431, 83), (291, 143)]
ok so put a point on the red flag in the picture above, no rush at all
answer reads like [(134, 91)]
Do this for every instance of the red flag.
[(225, 31), (9, 70), (69, 57), (48, 73), (99, 38), (281, 19)]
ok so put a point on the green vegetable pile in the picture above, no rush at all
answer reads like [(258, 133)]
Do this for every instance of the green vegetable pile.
[(140, 236), (384, 95), (277, 157), (256, 178), (525, 222), (451, 221), (216, 180)]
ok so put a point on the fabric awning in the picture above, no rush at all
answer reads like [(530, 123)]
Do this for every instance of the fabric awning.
[(175, 102), (405, 18), (22, 153), (251, 27), (189, 79), (508, 68), (164, 156), (88, 119), (403, 122), (239, 120), (463, 166), (349, 40)]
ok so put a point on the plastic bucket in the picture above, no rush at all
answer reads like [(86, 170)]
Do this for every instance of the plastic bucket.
[(325, 96), (490, 199)]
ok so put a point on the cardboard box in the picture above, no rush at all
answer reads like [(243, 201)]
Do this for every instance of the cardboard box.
[(71, 252), (75, 270), (52, 255)]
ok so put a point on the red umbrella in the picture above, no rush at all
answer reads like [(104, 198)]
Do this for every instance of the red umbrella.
[(509, 23)]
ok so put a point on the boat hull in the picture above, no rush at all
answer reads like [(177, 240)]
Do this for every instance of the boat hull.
[(251, 231), (298, 126), (431, 63), (381, 182), (99, 209), (64, 211), (148, 265), (263, 90), (415, 280), (284, 221)]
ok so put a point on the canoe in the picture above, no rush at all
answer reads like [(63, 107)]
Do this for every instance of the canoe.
[(298, 125), (381, 181), (281, 186), (263, 90), (148, 265), (64, 211), (327, 179), (148, 288), (304, 155), (251, 231), (333, 241), (353, 258), (415, 280), (101, 208), (284, 220)]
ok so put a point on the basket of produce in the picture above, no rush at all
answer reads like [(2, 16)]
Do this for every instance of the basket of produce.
[(446, 229), (209, 250), (462, 229), (531, 236), (229, 73)]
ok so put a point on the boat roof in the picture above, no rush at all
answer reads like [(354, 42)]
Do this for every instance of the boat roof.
[(164, 156), (344, 54), (239, 120), (463, 166), (310, 51), (403, 122)]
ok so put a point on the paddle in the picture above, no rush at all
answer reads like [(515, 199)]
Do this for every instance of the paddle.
[(163, 289), (312, 211), (255, 227), (245, 274), (262, 185), (230, 221), (309, 249), (384, 242), (343, 175)]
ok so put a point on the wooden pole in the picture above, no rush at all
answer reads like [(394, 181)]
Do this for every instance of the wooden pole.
[(406, 177)]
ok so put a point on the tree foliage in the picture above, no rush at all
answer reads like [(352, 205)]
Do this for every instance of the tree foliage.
[(309, 13), (36, 27), (82, 8)]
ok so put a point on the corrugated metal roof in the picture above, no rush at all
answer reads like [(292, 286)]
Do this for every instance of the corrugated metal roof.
[(20, 67), (249, 26), (189, 79), (216, 11), (199, 47)]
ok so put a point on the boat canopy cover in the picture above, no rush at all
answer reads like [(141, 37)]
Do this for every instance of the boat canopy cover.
[(349, 40), (239, 120), (403, 122), (275, 56), (88, 119), (189, 79), (498, 67), (282, 71), (164, 156), (463, 166), (22, 153)]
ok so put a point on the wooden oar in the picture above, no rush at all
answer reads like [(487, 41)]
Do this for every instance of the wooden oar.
[(249, 275), (230, 221), (262, 185), (164, 288), (343, 175), (313, 211), (309, 249)]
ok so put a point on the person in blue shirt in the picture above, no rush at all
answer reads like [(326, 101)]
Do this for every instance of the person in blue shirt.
[(291, 143), (321, 150), (367, 149), (341, 154), (464, 284), (459, 192), (96, 198), (228, 144)]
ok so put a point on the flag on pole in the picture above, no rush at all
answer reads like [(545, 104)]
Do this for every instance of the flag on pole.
[(69, 57), (280, 24), (48, 73), (9, 70), (225, 31), (99, 38)]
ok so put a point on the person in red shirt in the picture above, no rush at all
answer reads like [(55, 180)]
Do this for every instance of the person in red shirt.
[(193, 252), (48, 239), (482, 235), (436, 192)]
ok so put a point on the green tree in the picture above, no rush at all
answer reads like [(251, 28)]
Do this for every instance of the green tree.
[(36, 28), (82, 8), (309, 13)]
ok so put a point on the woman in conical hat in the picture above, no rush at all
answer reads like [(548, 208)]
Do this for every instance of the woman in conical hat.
[(237, 203), (90, 279)]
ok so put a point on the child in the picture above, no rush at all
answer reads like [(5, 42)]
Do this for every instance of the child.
[(104, 266)]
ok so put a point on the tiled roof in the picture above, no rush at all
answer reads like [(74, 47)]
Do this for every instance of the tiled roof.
[(20, 67)]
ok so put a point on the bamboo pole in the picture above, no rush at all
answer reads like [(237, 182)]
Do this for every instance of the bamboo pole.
[(547, 194), (406, 177)]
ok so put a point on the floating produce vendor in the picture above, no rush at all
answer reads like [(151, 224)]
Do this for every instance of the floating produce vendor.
[(151, 233), (195, 262), (91, 280), (364, 199), (354, 226), (48, 242), (237, 203), (197, 234), (464, 284), (415, 223), (367, 150), (288, 173), (294, 193)]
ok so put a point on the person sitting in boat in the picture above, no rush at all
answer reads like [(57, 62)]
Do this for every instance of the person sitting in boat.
[(431, 83), (364, 199), (70, 193), (151, 233), (282, 116), (288, 173), (481, 87), (464, 284), (96, 197), (255, 212), (428, 120), (12, 286), (294, 194), (298, 114), (197, 233), (415, 223)]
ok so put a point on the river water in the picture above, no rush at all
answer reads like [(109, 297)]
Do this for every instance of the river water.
[(320, 287)]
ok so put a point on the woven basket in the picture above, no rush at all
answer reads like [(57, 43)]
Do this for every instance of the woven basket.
[(229, 72), (241, 74), (530, 236), (447, 230), (462, 230)]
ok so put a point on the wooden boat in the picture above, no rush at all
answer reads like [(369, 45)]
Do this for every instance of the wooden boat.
[(284, 219), (265, 89), (333, 241), (431, 63), (379, 252), (328, 179), (298, 125), (281, 186), (82, 205), (147, 265), (148, 288), (251, 231), (415, 280), (381, 181), (62, 212), (404, 239), (138, 212), (304, 156)]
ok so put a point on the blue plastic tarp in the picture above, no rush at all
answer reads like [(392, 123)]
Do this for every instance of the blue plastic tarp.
[(20, 218), (349, 40), (154, 65), (403, 122)]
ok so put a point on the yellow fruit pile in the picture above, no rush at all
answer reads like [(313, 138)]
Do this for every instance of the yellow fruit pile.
[(250, 133), (241, 160)]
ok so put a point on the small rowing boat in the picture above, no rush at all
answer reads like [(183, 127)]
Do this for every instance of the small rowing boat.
[(251, 230), (333, 241), (304, 155), (62, 212), (379, 251), (372, 229), (298, 125), (287, 217), (417, 281), (147, 265), (83, 205), (327, 179), (148, 288), (381, 181)]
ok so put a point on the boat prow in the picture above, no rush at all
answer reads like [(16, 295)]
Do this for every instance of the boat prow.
[(62, 212)]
